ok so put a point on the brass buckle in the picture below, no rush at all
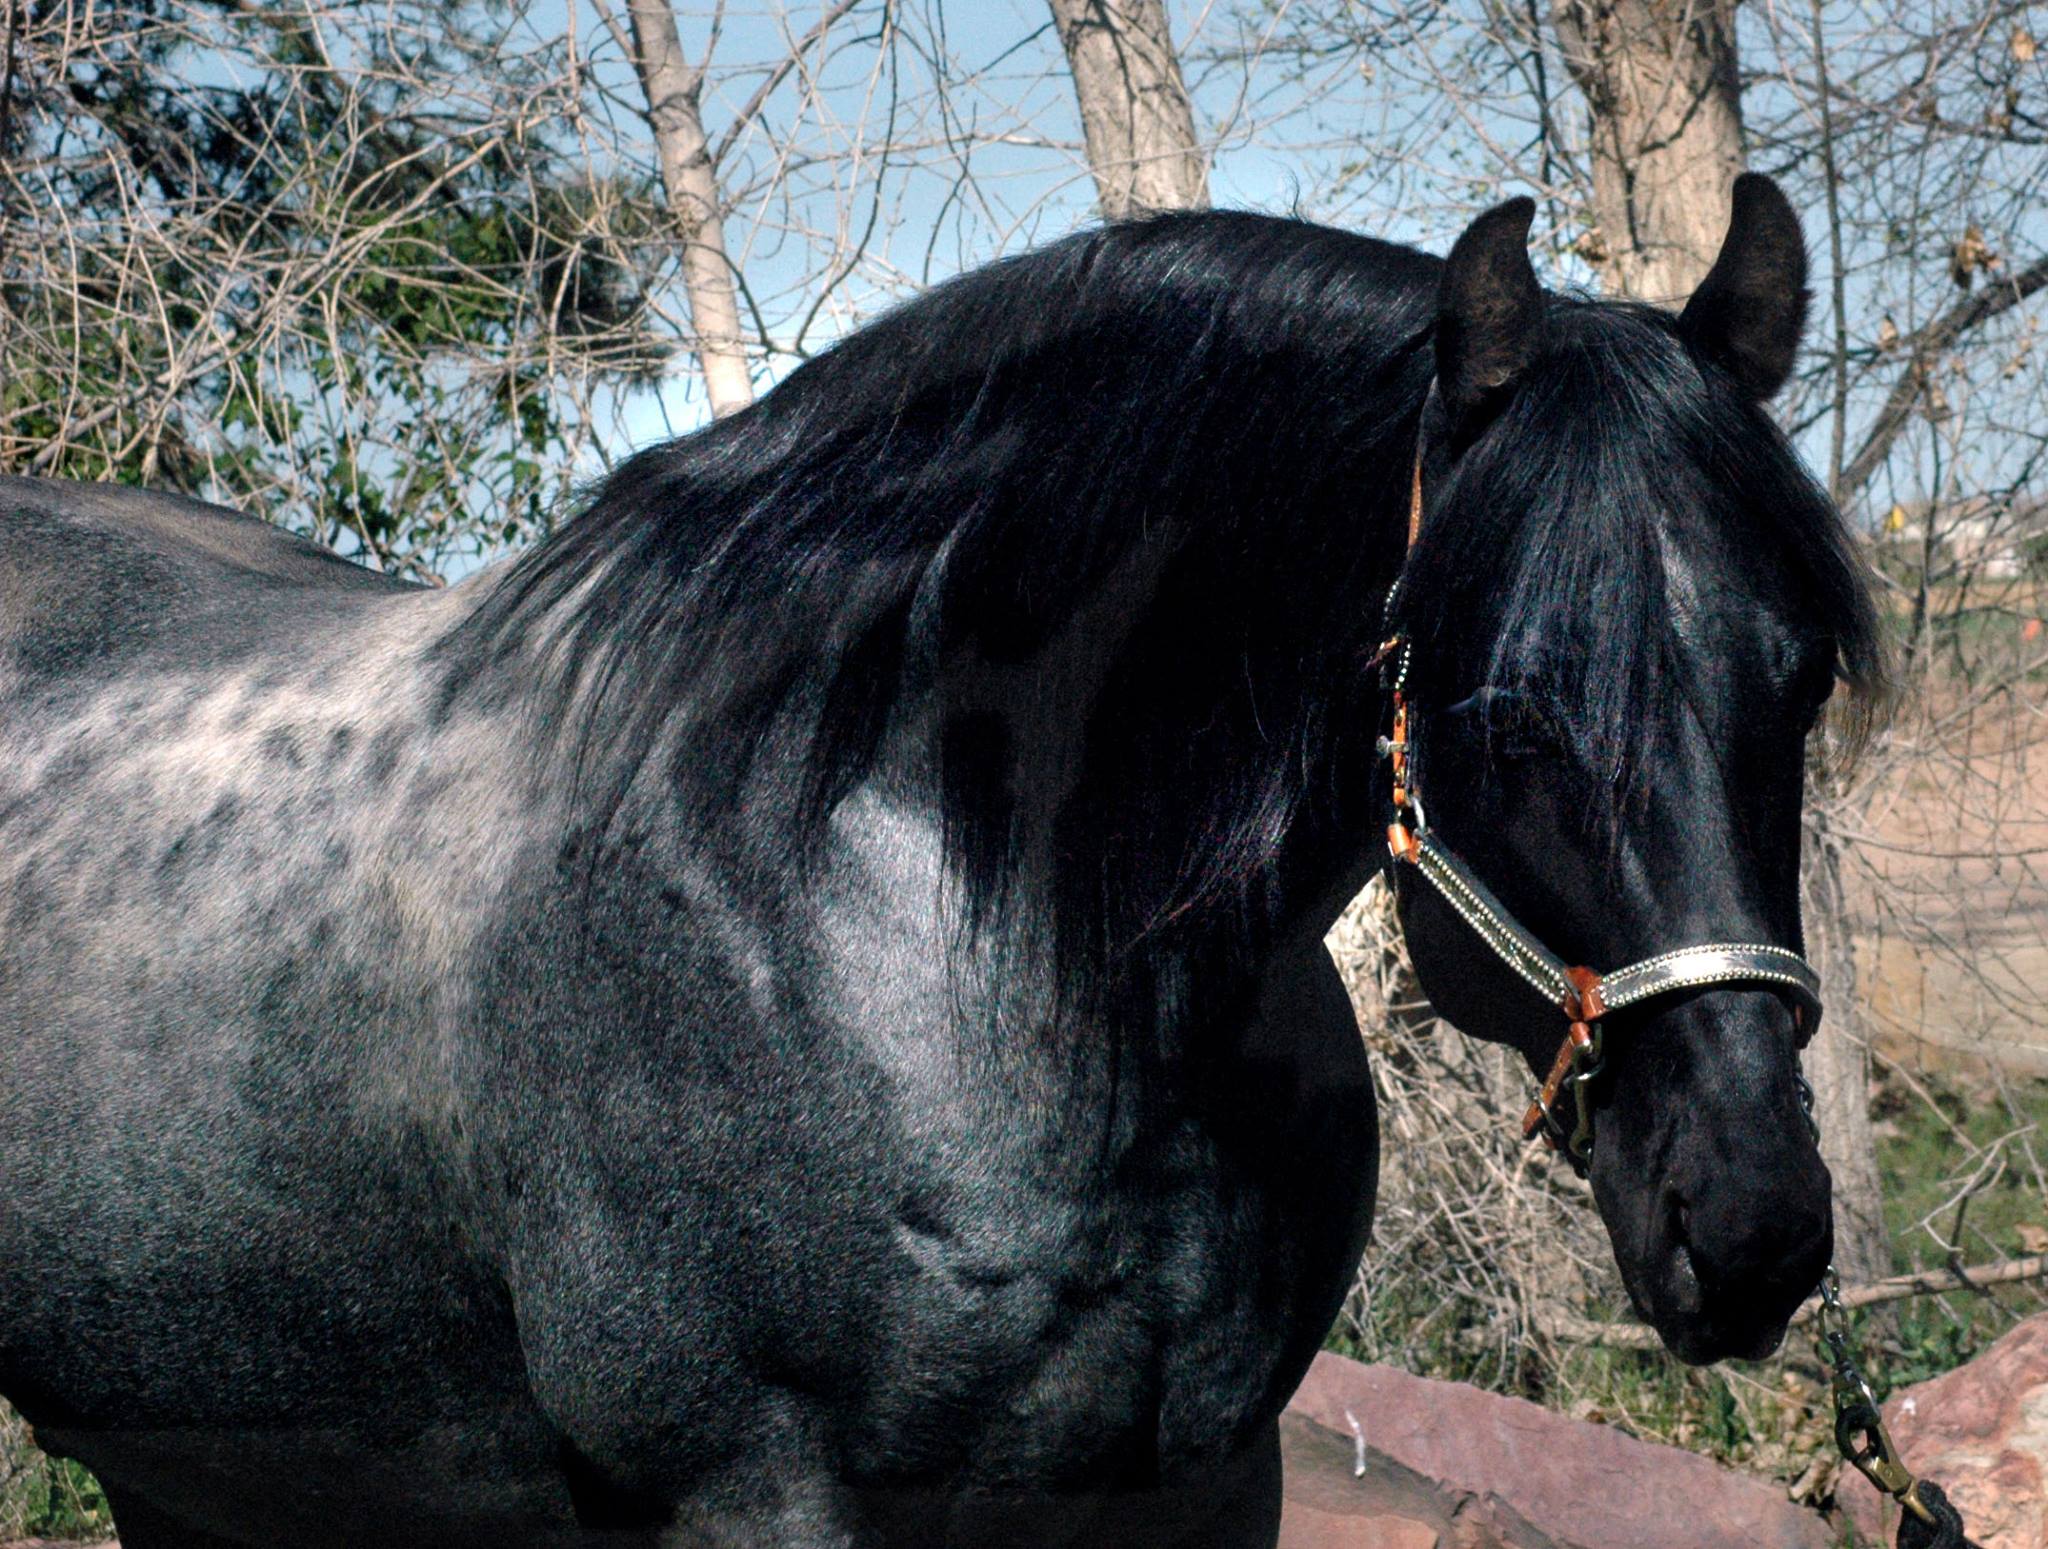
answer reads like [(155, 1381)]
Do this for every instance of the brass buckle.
[(1586, 1064), (1863, 1440)]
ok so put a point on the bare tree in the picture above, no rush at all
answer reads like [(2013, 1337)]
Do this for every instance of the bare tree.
[(1135, 111), (674, 89), (341, 265)]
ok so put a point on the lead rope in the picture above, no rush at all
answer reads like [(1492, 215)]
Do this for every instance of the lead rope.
[(1927, 1520)]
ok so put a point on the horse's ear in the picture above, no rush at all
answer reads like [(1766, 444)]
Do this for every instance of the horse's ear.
[(1490, 320), (1750, 310)]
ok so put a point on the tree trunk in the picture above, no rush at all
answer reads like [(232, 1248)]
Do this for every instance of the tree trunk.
[(1838, 1066), (1134, 106), (673, 88), (1660, 77)]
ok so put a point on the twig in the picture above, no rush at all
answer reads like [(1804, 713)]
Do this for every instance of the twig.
[(1933, 1282), (775, 77), (1923, 347), (1571, 1329)]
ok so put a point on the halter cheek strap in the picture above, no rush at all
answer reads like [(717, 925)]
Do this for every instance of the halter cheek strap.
[(1586, 997)]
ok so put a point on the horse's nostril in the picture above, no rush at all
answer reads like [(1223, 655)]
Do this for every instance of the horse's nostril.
[(1686, 1295), (1678, 1220)]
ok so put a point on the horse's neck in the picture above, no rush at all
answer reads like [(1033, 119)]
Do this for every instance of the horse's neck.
[(1183, 765)]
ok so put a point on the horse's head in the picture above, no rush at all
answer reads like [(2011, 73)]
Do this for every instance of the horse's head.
[(1627, 607)]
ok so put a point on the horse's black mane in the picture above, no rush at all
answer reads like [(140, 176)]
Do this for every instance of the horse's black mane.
[(967, 476), (970, 471)]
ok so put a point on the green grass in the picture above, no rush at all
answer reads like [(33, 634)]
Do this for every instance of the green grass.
[(1922, 1154), (45, 1497), (1924, 1159)]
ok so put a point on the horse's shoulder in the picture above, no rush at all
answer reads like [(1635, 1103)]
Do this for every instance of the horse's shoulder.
[(100, 573)]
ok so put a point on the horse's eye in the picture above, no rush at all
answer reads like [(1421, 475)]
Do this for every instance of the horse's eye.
[(1512, 725), (1813, 688)]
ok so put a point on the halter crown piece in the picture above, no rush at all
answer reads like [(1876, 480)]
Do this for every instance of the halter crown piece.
[(1584, 995)]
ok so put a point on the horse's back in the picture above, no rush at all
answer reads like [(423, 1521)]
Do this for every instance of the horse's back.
[(95, 575)]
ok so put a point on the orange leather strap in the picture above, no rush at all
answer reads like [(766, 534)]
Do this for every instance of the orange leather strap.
[(1415, 500), (1584, 1007)]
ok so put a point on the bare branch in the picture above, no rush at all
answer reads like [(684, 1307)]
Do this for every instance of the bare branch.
[(1924, 348), (751, 108), (1637, 1336)]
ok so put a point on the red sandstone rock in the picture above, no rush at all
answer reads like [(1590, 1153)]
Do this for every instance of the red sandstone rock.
[(1328, 1508), (1483, 1472), (1981, 1433)]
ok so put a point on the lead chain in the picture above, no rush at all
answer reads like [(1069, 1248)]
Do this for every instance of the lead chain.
[(1860, 1433)]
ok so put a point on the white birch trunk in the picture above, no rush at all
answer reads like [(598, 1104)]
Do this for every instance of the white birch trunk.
[(1838, 1066), (674, 88)]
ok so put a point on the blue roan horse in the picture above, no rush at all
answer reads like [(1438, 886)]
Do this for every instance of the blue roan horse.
[(795, 1014)]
